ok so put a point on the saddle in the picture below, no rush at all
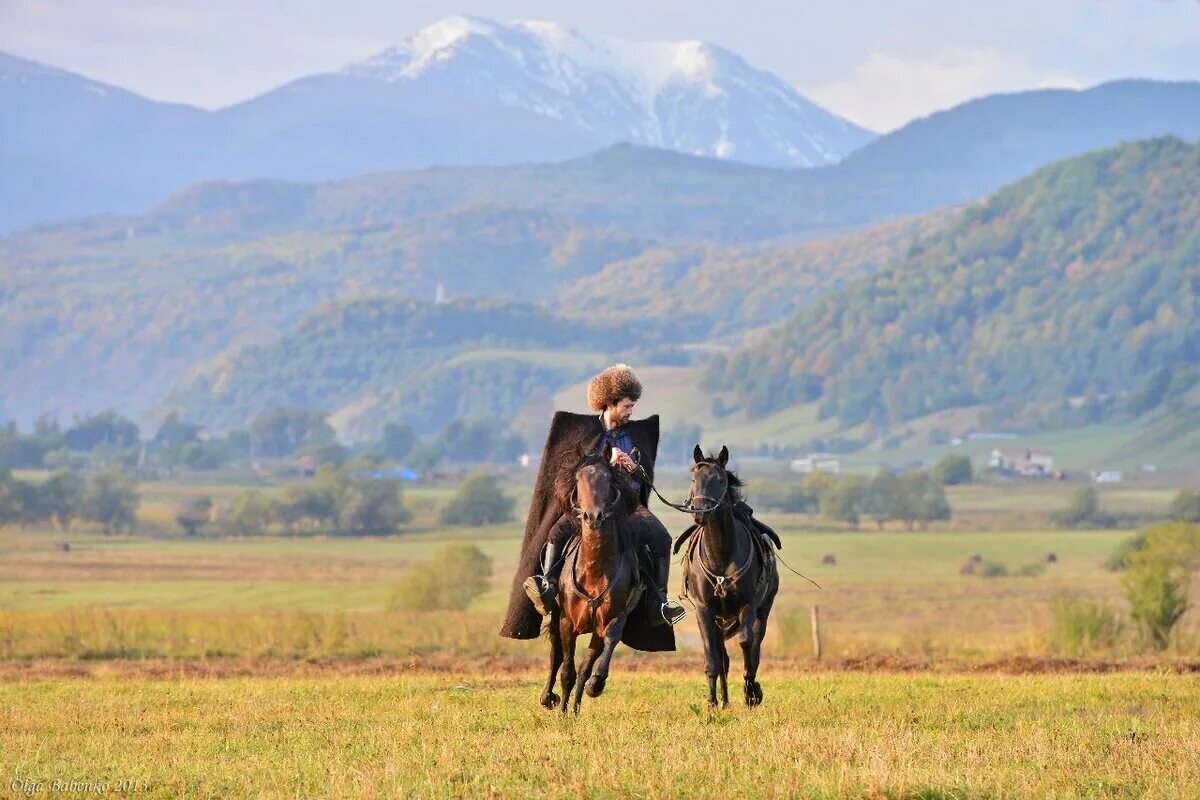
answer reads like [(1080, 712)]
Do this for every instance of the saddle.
[(761, 550), (570, 558)]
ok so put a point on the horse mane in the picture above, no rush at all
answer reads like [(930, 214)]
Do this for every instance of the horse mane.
[(734, 485), (564, 483)]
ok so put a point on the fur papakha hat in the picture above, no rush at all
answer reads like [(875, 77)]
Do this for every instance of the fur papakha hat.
[(611, 385)]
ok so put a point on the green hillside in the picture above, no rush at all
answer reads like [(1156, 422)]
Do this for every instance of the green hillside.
[(1067, 298), (377, 360)]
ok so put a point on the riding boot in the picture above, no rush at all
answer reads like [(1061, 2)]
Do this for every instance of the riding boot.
[(669, 611), (543, 589)]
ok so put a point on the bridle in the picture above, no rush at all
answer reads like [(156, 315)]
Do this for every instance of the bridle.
[(711, 504), (611, 506)]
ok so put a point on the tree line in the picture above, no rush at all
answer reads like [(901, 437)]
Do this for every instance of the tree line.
[(107, 498), (913, 498)]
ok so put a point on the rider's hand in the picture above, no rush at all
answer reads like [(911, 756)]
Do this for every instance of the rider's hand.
[(621, 459)]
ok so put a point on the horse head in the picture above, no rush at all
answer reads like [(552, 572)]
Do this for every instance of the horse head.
[(599, 490), (713, 484)]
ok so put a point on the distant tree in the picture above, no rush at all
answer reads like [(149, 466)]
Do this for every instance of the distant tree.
[(327, 453), (250, 514), (1084, 511), (282, 431), (8, 503), (882, 497), (110, 498), (424, 457), (174, 433), (953, 469), (1185, 507), (108, 429), (843, 500), (922, 499), (312, 506), (371, 506), (398, 441), (62, 496), (478, 501), (195, 515)]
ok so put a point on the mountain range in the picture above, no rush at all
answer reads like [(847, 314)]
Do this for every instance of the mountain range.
[(464, 90)]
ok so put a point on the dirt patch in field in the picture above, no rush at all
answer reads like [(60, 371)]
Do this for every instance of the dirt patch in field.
[(176, 669)]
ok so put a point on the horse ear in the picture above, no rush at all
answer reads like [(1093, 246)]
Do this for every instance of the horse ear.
[(698, 454), (607, 452), (723, 458)]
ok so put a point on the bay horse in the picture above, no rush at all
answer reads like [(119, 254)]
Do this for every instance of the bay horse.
[(599, 584), (729, 573)]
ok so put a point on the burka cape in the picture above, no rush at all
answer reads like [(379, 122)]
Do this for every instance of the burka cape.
[(571, 436)]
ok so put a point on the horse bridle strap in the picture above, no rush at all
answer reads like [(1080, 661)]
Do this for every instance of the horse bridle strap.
[(610, 506), (687, 507), (720, 583), (594, 603)]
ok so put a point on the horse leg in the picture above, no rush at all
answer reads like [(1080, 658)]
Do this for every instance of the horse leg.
[(549, 698), (711, 637), (595, 647), (612, 636), (567, 632), (724, 672), (760, 633), (748, 638)]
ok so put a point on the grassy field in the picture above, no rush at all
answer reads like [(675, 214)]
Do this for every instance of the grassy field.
[(890, 593), (481, 734), (276, 667)]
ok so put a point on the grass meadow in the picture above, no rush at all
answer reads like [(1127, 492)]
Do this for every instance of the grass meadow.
[(278, 667)]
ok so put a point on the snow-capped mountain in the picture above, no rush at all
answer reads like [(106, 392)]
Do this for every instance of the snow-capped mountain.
[(687, 96)]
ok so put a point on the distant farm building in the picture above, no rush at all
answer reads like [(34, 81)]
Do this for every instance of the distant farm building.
[(816, 462), (1023, 461)]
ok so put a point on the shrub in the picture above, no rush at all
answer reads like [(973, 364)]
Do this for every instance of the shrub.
[(992, 569), (454, 575), (1030, 570), (1156, 586), (1082, 627)]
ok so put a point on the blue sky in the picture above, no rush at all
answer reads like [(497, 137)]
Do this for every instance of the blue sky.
[(878, 62)]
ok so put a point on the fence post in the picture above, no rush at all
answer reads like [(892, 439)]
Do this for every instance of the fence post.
[(816, 632)]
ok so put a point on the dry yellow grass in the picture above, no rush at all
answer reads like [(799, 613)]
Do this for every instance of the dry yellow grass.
[(481, 734)]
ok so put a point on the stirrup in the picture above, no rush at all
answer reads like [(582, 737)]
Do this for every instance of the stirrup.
[(541, 594), (672, 612)]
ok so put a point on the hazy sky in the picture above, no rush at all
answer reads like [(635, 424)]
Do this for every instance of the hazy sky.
[(878, 62)]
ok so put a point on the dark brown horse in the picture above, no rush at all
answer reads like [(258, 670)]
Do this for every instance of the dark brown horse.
[(599, 583), (730, 575)]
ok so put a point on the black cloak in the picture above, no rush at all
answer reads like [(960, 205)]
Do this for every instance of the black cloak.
[(570, 437)]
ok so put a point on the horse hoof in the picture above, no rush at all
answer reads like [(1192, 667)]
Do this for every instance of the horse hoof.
[(550, 700), (594, 687), (754, 693)]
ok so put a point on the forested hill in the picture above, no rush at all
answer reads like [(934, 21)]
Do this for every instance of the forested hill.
[(1081, 280), (379, 359)]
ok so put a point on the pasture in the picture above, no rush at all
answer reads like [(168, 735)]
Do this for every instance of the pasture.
[(281, 667), (479, 733)]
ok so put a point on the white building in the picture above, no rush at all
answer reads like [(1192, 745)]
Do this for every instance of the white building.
[(816, 462), (1023, 461)]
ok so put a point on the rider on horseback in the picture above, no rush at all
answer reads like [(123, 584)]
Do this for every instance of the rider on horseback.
[(612, 394)]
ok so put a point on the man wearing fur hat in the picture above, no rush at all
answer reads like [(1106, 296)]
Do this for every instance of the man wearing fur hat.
[(612, 395)]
